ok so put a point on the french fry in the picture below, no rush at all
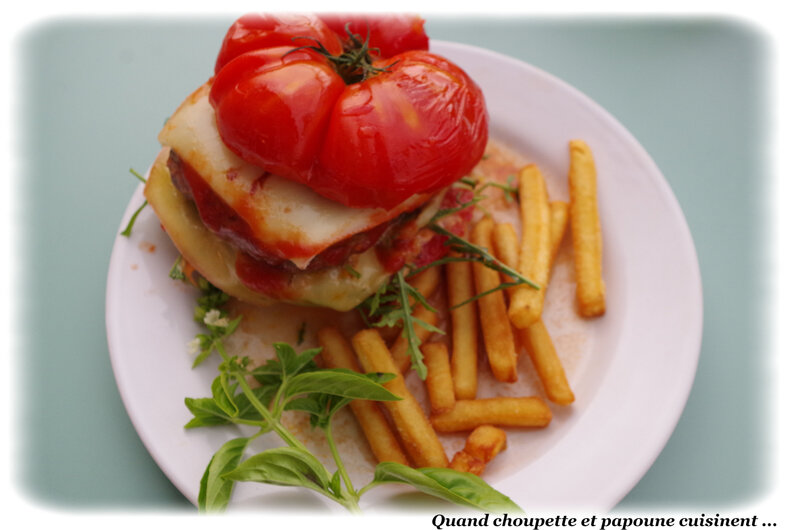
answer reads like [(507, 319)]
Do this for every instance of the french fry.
[(439, 382), (506, 246), (485, 442), (586, 233), (468, 414), (399, 349), (426, 282), (559, 219), (463, 329), (466, 463), (498, 336), (545, 360), (416, 434), (526, 303), (337, 353), (482, 445), (535, 337)]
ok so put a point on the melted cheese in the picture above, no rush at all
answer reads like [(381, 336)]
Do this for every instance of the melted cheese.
[(286, 217), (215, 259)]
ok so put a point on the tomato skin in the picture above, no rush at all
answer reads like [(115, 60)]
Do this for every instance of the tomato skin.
[(391, 34), (262, 30), (416, 124), (272, 108), (414, 129)]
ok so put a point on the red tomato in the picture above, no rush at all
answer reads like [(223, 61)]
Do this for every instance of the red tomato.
[(412, 124), (261, 30), (414, 129), (390, 33), (272, 107)]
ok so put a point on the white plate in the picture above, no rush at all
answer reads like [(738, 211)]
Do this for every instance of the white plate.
[(631, 384)]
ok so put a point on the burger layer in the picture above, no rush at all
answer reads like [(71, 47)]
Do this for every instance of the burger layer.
[(283, 219), (260, 282)]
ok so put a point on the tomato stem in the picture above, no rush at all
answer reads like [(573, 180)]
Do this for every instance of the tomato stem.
[(355, 63)]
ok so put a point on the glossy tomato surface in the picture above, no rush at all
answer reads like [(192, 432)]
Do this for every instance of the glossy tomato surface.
[(414, 129), (273, 106), (256, 31), (408, 124), (389, 34)]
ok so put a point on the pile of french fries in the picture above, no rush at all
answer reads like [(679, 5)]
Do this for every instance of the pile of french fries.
[(401, 431)]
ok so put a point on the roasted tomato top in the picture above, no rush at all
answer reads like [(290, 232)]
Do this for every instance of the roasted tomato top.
[(356, 126), (388, 34)]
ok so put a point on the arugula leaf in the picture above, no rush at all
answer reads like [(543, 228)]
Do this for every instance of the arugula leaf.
[(458, 487), (215, 490), (394, 303)]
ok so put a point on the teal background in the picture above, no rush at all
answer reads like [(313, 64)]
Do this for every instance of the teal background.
[(95, 92)]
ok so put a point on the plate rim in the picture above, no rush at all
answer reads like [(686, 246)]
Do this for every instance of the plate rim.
[(679, 397)]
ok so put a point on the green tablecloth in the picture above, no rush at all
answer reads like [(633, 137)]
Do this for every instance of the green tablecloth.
[(95, 92)]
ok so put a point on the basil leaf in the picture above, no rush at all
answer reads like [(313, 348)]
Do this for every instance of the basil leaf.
[(340, 382), (215, 490), (207, 411), (458, 487), (223, 396), (310, 404), (292, 363), (283, 466)]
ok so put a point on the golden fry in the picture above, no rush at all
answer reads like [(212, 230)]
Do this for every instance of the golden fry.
[(481, 447), (468, 414), (498, 336), (463, 330), (586, 233), (526, 303), (399, 348), (439, 382), (426, 282), (415, 431), (506, 246), (537, 341), (485, 442), (466, 463), (337, 353), (559, 219)]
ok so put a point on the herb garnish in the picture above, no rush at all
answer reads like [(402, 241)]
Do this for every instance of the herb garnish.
[(132, 220), (394, 304), (293, 381), (390, 301)]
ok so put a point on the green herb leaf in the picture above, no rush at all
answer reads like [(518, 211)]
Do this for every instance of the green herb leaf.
[(176, 272), (137, 175), (129, 227), (215, 490), (461, 488), (222, 393), (283, 466), (207, 412), (340, 382)]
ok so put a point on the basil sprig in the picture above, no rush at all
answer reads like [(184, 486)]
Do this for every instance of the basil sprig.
[(257, 396)]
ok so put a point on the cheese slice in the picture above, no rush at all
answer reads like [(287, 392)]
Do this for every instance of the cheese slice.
[(336, 287), (287, 218)]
